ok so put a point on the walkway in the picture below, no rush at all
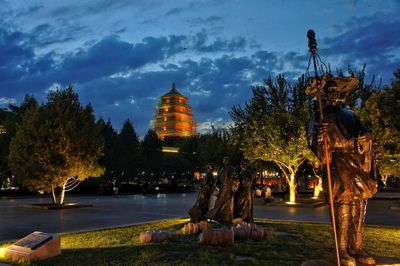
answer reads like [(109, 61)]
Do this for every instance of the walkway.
[(16, 222)]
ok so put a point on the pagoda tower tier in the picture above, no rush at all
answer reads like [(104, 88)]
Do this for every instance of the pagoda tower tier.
[(173, 117)]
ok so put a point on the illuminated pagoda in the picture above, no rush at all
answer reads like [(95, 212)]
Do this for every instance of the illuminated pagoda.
[(174, 116)]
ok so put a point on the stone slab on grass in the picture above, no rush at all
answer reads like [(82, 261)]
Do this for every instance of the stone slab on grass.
[(34, 247)]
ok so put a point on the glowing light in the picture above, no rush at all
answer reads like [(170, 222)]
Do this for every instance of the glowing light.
[(215, 173), (2, 253), (170, 149), (2, 130)]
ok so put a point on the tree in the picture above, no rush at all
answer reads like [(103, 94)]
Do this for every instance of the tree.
[(188, 150), (271, 126), (8, 122), (56, 145), (151, 154), (108, 160), (379, 115), (212, 147), (359, 96), (126, 153)]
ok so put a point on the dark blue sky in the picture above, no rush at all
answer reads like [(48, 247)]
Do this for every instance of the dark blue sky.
[(122, 55)]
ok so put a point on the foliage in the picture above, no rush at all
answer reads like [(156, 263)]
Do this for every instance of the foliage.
[(212, 147), (288, 243), (126, 159), (271, 126), (359, 96), (207, 148), (107, 160), (151, 153), (8, 121), (379, 115), (188, 150), (56, 145)]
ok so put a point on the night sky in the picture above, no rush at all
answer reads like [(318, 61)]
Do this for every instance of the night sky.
[(122, 55)]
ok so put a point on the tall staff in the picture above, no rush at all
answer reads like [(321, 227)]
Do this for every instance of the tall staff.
[(312, 44)]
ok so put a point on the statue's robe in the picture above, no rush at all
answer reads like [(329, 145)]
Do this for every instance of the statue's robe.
[(200, 208), (223, 210), (350, 169), (244, 197)]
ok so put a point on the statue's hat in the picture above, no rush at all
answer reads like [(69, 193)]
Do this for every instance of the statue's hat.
[(328, 84)]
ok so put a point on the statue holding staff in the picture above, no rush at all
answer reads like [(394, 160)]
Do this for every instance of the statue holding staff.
[(342, 144)]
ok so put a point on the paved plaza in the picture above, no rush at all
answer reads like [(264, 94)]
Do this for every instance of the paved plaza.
[(16, 222)]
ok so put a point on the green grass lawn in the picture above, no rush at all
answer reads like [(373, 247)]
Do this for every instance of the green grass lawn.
[(288, 244)]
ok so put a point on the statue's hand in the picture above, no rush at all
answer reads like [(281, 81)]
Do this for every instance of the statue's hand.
[(323, 129), (363, 143)]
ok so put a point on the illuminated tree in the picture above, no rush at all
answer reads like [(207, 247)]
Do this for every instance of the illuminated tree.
[(379, 114), (56, 145), (271, 127)]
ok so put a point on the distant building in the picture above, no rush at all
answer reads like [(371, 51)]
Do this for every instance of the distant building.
[(173, 117)]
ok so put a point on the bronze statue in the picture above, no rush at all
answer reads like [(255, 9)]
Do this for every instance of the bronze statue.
[(350, 152), (244, 194), (200, 208), (228, 183)]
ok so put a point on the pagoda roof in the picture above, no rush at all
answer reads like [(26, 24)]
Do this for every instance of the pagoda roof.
[(173, 92)]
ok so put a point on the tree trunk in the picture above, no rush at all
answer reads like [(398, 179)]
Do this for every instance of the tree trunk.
[(318, 188), (384, 180), (292, 189), (53, 195), (62, 194)]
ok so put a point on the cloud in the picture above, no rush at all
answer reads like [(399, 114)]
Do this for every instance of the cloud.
[(207, 126), (174, 11), (371, 40), (29, 11), (124, 79), (112, 55), (206, 20), (7, 101), (93, 7), (46, 34), (200, 43)]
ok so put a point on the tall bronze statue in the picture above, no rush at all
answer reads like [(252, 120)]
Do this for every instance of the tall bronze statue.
[(244, 194), (342, 144), (227, 183), (200, 208)]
